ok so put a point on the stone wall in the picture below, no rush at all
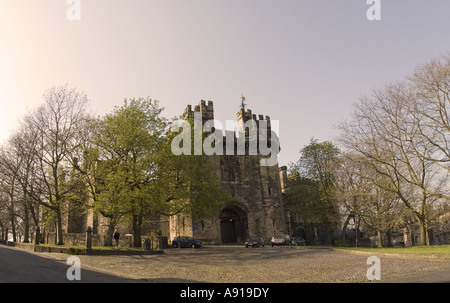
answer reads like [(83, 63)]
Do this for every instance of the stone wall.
[(75, 239), (79, 239)]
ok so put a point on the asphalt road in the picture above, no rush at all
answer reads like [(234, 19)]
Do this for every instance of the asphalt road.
[(18, 266)]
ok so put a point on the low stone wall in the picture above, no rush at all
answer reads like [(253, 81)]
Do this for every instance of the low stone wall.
[(76, 243), (74, 239), (95, 252), (39, 248), (25, 246)]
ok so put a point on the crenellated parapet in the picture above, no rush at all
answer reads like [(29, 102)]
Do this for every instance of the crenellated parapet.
[(206, 108), (252, 134), (253, 126)]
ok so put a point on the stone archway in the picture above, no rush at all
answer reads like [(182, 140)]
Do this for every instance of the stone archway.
[(233, 224)]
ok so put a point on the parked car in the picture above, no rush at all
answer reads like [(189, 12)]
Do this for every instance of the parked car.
[(255, 241), (281, 240), (296, 241), (183, 241)]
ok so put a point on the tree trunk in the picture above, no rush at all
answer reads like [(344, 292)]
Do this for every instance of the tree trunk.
[(33, 210), (137, 229), (13, 227), (423, 222), (344, 228), (26, 224), (426, 231), (59, 232), (110, 233), (389, 238), (423, 231), (380, 239)]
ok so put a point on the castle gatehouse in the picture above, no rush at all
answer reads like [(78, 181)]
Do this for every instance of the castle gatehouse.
[(257, 209)]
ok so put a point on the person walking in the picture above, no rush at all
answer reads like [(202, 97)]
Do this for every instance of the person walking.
[(116, 237)]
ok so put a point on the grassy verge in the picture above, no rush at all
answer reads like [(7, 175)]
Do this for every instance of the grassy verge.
[(116, 248), (420, 250)]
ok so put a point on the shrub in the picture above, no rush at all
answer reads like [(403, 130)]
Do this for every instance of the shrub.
[(75, 251)]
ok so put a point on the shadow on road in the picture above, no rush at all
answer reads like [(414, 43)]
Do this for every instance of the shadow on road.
[(17, 266)]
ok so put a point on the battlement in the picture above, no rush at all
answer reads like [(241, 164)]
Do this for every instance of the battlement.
[(245, 115), (203, 107), (207, 110), (249, 122), (252, 134)]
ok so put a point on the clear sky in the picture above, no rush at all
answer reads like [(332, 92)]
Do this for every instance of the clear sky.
[(302, 62)]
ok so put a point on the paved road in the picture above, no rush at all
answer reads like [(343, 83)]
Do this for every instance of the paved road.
[(441, 276), (221, 264), (18, 266), (231, 264)]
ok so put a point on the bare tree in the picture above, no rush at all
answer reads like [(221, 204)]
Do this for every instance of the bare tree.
[(378, 209), (9, 196), (383, 131), (4, 217), (18, 160), (430, 111), (56, 126)]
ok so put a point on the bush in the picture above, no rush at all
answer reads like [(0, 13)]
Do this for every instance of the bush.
[(75, 251)]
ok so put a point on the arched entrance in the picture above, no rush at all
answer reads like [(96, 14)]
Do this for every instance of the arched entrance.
[(233, 224)]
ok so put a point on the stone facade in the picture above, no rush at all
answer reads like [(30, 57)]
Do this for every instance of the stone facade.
[(256, 189)]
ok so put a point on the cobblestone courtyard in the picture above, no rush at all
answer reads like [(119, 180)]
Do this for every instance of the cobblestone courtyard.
[(230, 264)]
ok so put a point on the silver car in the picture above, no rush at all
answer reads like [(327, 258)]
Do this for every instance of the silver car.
[(281, 240)]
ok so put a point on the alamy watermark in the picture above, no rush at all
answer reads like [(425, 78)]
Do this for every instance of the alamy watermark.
[(374, 11), (74, 11), (374, 271), (257, 142), (74, 271)]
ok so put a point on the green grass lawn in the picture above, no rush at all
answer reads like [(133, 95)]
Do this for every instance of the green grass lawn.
[(421, 249), (115, 248)]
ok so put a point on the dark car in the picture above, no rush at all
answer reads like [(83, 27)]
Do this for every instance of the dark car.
[(255, 241), (296, 241), (281, 240), (186, 242)]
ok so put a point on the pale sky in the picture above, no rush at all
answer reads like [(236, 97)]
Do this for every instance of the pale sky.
[(302, 62)]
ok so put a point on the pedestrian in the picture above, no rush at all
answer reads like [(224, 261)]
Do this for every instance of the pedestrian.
[(116, 237)]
